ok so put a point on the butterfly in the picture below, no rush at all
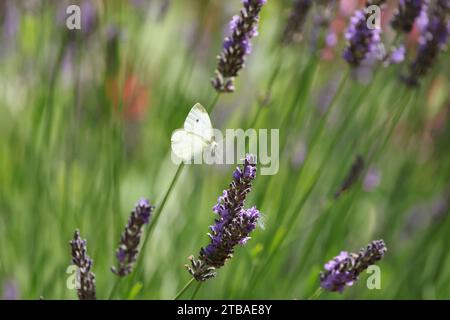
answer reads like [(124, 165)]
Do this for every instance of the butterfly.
[(196, 135)]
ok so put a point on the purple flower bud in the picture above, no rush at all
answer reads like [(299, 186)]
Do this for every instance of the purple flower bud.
[(232, 226), (237, 45), (128, 247), (85, 277), (344, 269)]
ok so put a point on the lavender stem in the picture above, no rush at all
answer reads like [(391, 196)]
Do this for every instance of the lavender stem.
[(316, 294), (183, 290), (197, 288)]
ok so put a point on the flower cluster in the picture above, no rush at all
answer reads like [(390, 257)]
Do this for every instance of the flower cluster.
[(344, 269), (297, 17), (85, 277), (406, 14), (232, 226), (364, 43), (434, 36), (243, 27), (131, 236)]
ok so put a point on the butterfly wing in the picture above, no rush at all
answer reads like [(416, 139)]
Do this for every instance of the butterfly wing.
[(186, 145), (198, 123)]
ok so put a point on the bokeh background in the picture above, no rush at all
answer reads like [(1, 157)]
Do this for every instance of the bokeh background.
[(85, 123)]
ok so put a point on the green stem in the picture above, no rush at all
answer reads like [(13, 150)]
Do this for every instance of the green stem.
[(273, 77), (293, 218), (394, 124), (319, 131), (330, 148), (197, 288), (114, 289), (159, 209), (183, 290), (377, 134), (46, 114), (317, 134), (213, 104), (316, 294), (302, 94)]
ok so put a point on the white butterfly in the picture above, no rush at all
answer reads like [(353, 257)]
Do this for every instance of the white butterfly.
[(196, 135)]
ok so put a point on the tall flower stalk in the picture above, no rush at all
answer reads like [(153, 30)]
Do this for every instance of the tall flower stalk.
[(232, 226), (236, 46), (85, 277), (128, 247), (344, 269)]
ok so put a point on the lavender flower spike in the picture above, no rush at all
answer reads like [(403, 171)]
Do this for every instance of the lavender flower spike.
[(344, 269), (433, 39), (131, 236), (232, 226), (363, 42), (406, 14), (237, 45), (85, 277)]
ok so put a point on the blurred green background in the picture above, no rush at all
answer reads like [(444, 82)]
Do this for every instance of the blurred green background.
[(85, 123)]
